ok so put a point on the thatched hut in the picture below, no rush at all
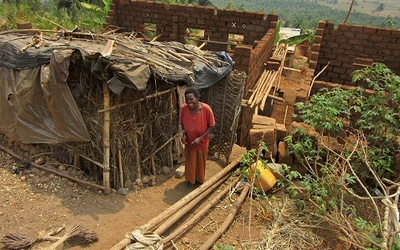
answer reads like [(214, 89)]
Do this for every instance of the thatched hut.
[(109, 104)]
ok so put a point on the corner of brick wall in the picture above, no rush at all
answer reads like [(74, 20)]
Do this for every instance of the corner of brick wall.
[(317, 44), (350, 47), (251, 60)]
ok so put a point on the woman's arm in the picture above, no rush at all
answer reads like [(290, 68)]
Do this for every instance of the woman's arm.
[(198, 139)]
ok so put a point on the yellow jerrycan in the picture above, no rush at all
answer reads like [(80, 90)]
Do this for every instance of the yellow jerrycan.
[(264, 178)]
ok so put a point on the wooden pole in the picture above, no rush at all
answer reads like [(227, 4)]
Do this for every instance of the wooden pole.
[(315, 77), (182, 202), (259, 84), (194, 218), (153, 163), (210, 242), (121, 169), (106, 141), (76, 159), (284, 118), (137, 152), (158, 149), (136, 101), (10, 152), (170, 147), (267, 90), (174, 218)]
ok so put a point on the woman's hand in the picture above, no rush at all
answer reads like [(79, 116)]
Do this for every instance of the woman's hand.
[(196, 141), (183, 139)]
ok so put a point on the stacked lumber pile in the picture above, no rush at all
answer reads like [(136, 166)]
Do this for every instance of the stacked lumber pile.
[(269, 78)]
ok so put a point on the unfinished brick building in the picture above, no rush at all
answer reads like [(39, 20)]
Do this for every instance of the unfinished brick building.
[(342, 50)]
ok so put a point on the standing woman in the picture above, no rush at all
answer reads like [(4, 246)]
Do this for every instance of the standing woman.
[(197, 119)]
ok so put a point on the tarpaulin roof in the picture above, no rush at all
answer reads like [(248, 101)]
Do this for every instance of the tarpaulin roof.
[(36, 104), (133, 60)]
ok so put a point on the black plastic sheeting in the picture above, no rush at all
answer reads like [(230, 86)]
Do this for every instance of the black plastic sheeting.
[(37, 106)]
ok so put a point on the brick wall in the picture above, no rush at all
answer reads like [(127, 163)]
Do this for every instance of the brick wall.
[(172, 20), (350, 47), (252, 59)]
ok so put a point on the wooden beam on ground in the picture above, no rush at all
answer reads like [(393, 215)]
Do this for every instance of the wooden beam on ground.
[(182, 202), (292, 69), (10, 152), (229, 218)]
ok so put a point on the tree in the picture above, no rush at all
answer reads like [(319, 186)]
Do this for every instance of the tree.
[(380, 8), (230, 5), (204, 3)]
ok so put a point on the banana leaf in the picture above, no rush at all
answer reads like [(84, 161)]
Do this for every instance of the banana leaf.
[(295, 39)]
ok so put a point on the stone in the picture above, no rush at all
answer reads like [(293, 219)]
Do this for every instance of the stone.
[(123, 191), (166, 170), (180, 172), (276, 169), (145, 179)]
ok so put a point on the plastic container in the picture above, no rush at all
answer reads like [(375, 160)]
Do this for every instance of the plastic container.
[(265, 179)]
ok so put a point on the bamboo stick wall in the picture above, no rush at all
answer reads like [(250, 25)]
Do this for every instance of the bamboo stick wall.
[(144, 124), (225, 97)]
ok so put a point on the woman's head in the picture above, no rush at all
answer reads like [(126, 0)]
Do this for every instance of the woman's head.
[(194, 91), (192, 96)]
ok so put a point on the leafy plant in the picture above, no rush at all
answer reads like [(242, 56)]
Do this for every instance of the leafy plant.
[(307, 35), (99, 12), (369, 127)]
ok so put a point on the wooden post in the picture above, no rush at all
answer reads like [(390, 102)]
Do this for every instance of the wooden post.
[(76, 159), (137, 152), (170, 147), (121, 169), (153, 163), (106, 141)]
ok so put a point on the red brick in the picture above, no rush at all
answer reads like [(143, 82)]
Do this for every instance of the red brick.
[(321, 24), (314, 55), (369, 30), (267, 135), (356, 28), (320, 32), (272, 17), (376, 38), (396, 32), (343, 27), (342, 39), (339, 70), (355, 41), (362, 36), (384, 32)]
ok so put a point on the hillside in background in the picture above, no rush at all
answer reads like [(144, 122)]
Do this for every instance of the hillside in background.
[(307, 14), (381, 8)]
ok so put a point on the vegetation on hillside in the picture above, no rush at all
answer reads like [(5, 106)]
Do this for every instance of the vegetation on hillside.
[(307, 14), (68, 14)]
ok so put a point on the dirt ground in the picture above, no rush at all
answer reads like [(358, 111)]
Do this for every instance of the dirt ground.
[(33, 201)]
